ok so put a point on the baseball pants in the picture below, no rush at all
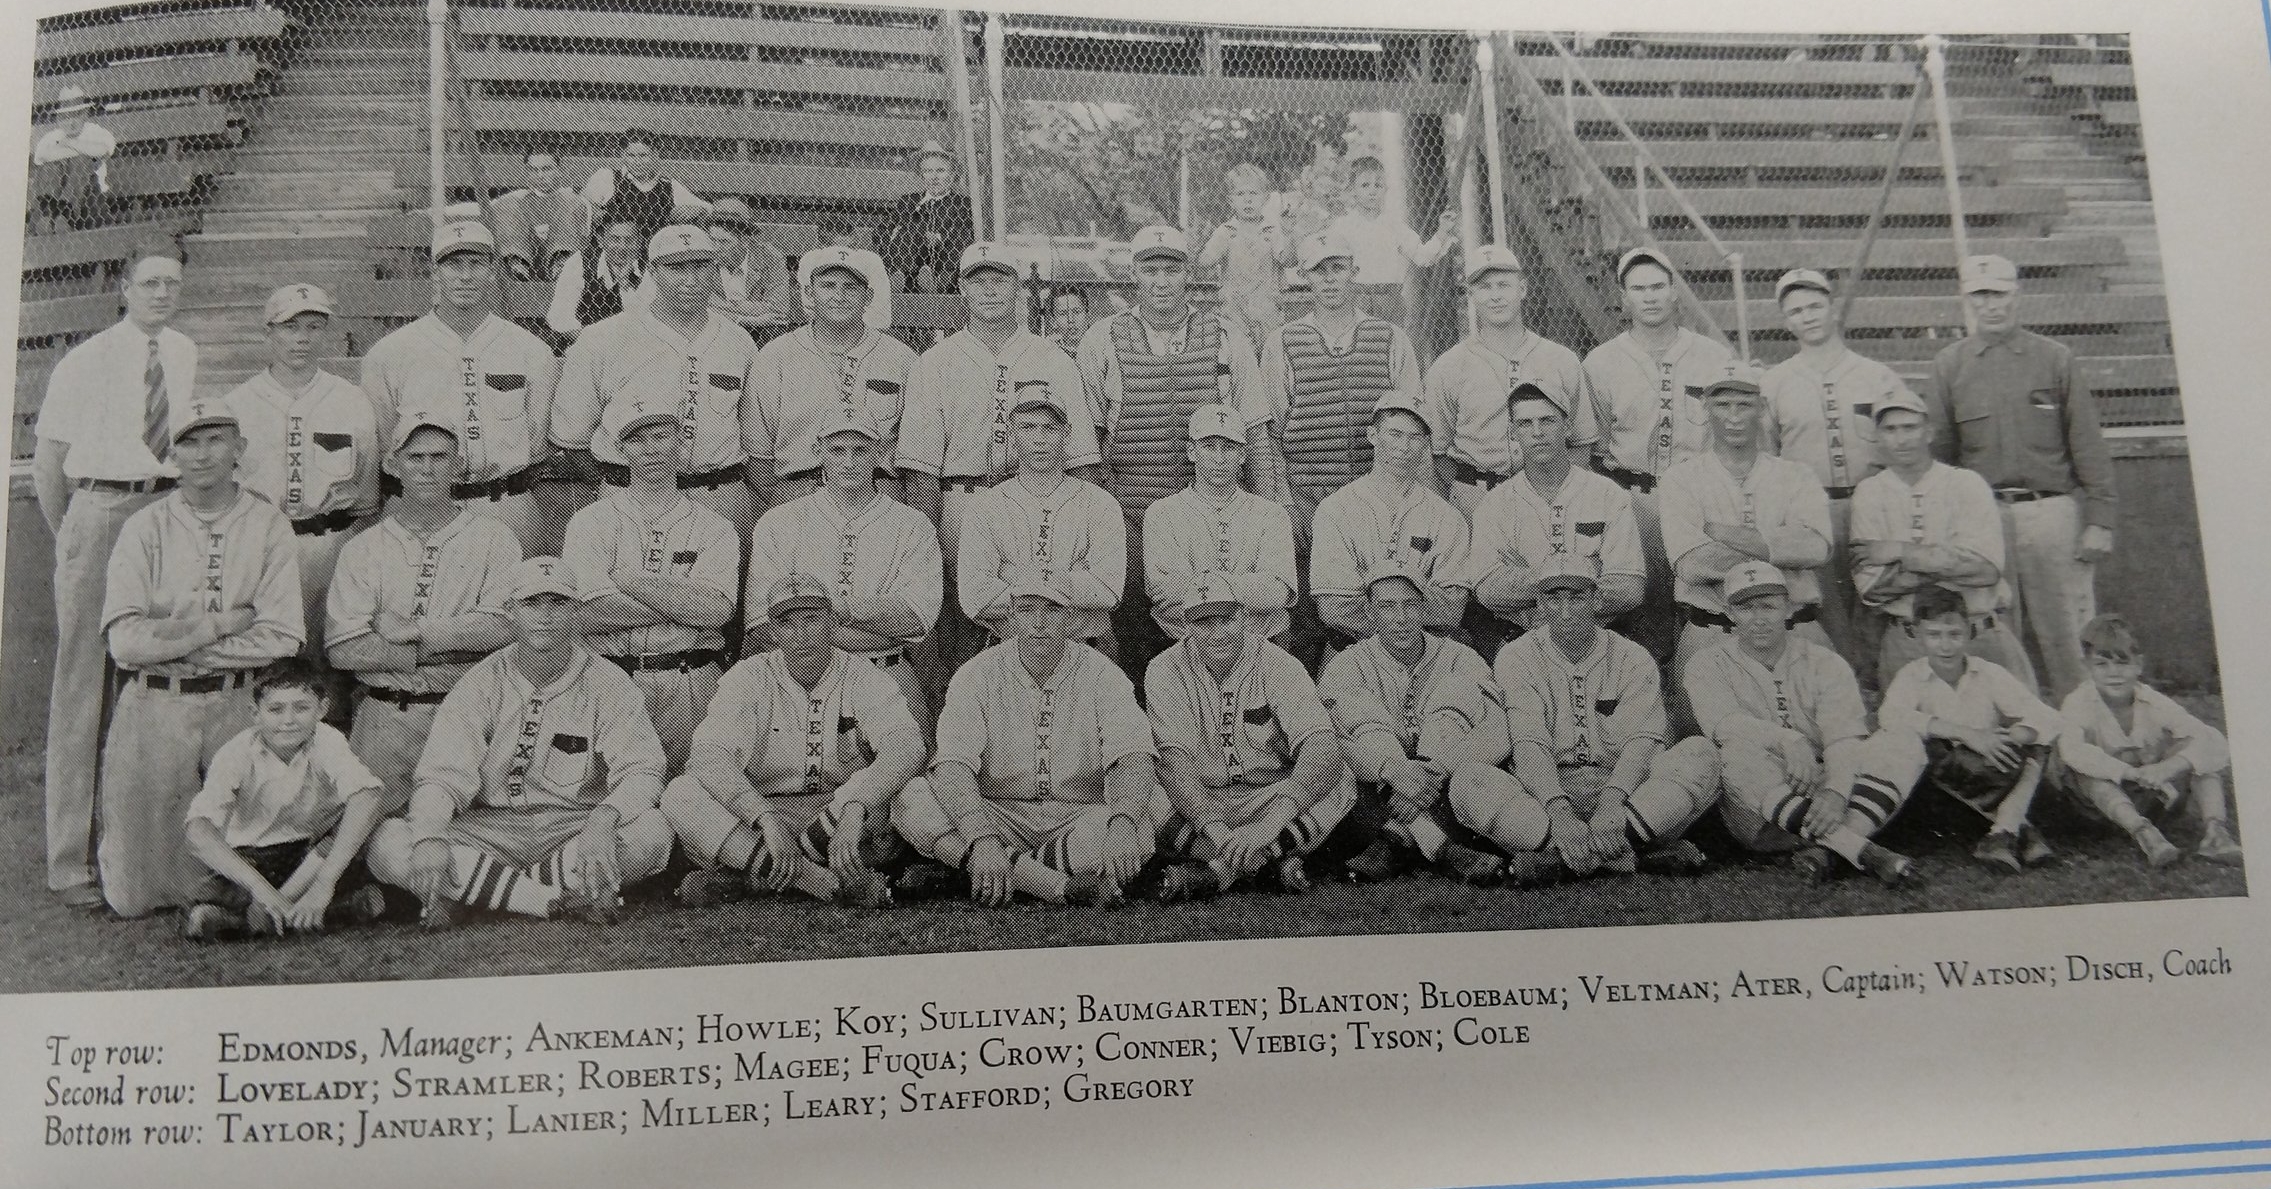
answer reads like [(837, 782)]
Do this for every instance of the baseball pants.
[(1681, 784), (319, 559), (704, 824), (956, 639), (1763, 812), (1048, 841), (1851, 629), (519, 513), (161, 742), (677, 700), (1991, 640), (2055, 595), (560, 494), (519, 860), (389, 738), (1240, 804), (78, 703), (1655, 623)]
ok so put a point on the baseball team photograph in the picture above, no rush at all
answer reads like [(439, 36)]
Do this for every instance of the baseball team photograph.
[(1060, 496)]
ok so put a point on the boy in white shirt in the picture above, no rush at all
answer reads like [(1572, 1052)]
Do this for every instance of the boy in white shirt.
[(1385, 251), (2134, 754)]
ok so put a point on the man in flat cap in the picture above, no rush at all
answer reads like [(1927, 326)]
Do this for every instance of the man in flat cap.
[(754, 287), (929, 228)]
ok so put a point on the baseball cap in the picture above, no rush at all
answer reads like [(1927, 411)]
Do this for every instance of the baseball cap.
[(198, 414), (1395, 568), (621, 417), (413, 422), (1750, 578), (794, 591), (1041, 589), (72, 98), (1491, 258), (678, 242), (848, 422), (1899, 398), (987, 255), (1319, 247), (1799, 278), (541, 576), (1212, 589), (1393, 403), (1988, 274), (1642, 255), (1740, 377), (932, 148), (1567, 571), (1529, 391), (1159, 240), (462, 236), (291, 301), (730, 211), (1217, 421), (860, 262)]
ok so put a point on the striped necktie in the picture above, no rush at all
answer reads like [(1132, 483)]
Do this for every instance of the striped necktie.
[(157, 419)]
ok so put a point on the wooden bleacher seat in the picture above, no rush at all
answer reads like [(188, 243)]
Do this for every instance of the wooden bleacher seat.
[(1721, 289), (624, 70), (2010, 205), (759, 33), (1175, 92), (872, 187), (98, 246), (1744, 161), (1718, 114), (2037, 310), (250, 27), (2081, 76), (1609, 72), (1763, 260), (64, 316), (205, 76), (603, 120), (172, 129)]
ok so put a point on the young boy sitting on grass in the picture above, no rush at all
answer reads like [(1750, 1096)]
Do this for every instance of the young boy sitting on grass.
[(282, 819), (2134, 754), (1986, 735)]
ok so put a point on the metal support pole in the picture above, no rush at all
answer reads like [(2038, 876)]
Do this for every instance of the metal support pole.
[(1884, 197), (1494, 149), (1936, 68), (954, 35), (1640, 188), (1742, 308), (437, 111), (997, 150)]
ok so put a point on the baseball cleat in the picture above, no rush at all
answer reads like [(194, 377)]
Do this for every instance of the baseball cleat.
[(1382, 861), (1999, 850), (928, 879), (1814, 864), (211, 922), (1292, 875), (1470, 866), (603, 909), (1531, 868), (260, 922), (2218, 846), (1677, 858), (1891, 868), (85, 895), (2159, 851), (436, 913), (1184, 881), (2034, 849), (1094, 890), (709, 887), (363, 906), (868, 889)]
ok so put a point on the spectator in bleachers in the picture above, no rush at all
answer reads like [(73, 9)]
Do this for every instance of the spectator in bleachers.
[(1068, 318), (753, 278), (614, 279), (1385, 251), (69, 166), (923, 242), (1252, 249), (637, 188), (542, 224)]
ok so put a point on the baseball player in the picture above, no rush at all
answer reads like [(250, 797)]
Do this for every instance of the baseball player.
[(1648, 386), (814, 374), (877, 558), (1470, 387), (311, 443), (657, 574), (793, 771), (1731, 504), (1920, 522), (1146, 370), (1044, 781), (415, 600), (203, 591), (1549, 506), (1591, 786), (1798, 769), (1042, 525), (2132, 753), (1215, 526), (675, 356), (1324, 372), (1820, 403), (1411, 708), (2013, 406), (1247, 754), (104, 449), (537, 792), (488, 380), (954, 436), (1391, 516)]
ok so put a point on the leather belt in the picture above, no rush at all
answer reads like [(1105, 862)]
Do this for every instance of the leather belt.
[(326, 524), (671, 662), (813, 473), (966, 484), (1840, 493), (126, 486), (1630, 480), (616, 475), (210, 683), (1465, 472), (403, 699), (2022, 495), (884, 660), (1806, 613), (495, 489)]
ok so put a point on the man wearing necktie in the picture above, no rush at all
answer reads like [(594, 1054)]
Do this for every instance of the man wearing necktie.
[(104, 450)]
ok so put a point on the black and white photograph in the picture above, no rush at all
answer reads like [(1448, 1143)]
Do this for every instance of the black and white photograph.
[(523, 487)]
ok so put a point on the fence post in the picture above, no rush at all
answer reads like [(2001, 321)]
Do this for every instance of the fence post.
[(1884, 196), (1742, 307), (954, 38), (997, 147), (1494, 150), (437, 112), (1936, 68)]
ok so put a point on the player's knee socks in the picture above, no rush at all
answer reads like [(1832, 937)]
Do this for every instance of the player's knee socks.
[(740, 848), (1515, 822), (485, 881), (1037, 877), (1299, 837), (813, 879), (1871, 804), (1423, 832), (817, 837), (1658, 813)]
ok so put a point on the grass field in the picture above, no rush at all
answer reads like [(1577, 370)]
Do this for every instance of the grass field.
[(52, 948)]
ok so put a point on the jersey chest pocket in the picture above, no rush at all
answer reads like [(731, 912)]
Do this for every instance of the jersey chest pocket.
[(1262, 729), (567, 762), (507, 396), (722, 395), (1690, 402), (332, 459), (2046, 419), (851, 747), (1606, 706)]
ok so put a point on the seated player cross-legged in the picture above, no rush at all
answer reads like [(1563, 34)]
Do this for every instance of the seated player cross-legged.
[(791, 777), (2133, 754), (1044, 780), (1593, 787), (1985, 735), (1247, 753), (1798, 767), (537, 792), (282, 819)]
